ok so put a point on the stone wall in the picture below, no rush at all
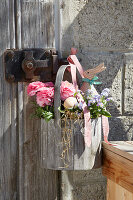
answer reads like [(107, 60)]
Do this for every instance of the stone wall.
[(102, 30)]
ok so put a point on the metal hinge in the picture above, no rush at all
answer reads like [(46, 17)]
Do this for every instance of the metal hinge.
[(22, 65)]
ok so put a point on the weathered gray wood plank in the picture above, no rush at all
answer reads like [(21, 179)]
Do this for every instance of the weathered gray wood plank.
[(20, 176), (79, 156), (36, 31), (43, 137), (13, 140), (20, 112), (69, 160), (8, 147), (79, 145), (38, 23), (51, 145), (84, 157)]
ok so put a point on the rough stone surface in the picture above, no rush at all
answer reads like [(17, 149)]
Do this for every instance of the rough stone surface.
[(93, 191), (87, 176), (128, 83), (85, 185), (121, 128), (102, 30), (111, 77), (97, 24)]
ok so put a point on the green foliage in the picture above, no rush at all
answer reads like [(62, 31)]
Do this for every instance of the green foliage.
[(46, 112), (97, 111), (96, 104)]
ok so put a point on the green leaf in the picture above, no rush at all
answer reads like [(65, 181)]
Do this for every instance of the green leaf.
[(75, 94), (46, 112), (47, 115), (106, 113)]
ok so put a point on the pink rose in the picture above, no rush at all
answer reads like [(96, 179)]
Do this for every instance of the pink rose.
[(67, 90), (49, 84), (45, 96), (34, 87), (50, 92), (43, 100)]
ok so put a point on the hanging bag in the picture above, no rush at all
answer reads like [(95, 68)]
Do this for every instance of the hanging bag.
[(63, 142)]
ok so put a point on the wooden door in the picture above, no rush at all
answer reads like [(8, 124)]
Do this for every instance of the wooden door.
[(23, 24)]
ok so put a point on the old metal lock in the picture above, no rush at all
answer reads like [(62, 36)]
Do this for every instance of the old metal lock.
[(29, 65), (23, 65)]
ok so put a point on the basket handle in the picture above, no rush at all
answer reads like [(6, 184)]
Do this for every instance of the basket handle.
[(57, 100)]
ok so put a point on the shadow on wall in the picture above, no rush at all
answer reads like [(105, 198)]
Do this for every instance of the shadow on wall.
[(103, 31), (99, 24)]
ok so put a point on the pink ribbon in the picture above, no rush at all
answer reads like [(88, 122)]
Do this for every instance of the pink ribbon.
[(105, 125), (73, 74), (74, 63), (87, 135)]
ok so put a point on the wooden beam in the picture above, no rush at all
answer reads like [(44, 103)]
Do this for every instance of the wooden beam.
[(116, 192), (124, 149), (118, 166), (36, 26)]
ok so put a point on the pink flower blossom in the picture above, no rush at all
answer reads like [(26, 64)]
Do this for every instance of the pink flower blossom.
[(45, 96), (49, 84), (67, 90), (50, 92), (34, 87)]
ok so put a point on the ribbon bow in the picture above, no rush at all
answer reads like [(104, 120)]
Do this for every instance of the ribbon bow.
[(91, 82)]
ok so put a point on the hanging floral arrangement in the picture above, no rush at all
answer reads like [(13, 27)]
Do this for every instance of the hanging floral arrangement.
[(72, 106)]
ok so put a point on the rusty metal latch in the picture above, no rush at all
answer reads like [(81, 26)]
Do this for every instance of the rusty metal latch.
[(24, 64)]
